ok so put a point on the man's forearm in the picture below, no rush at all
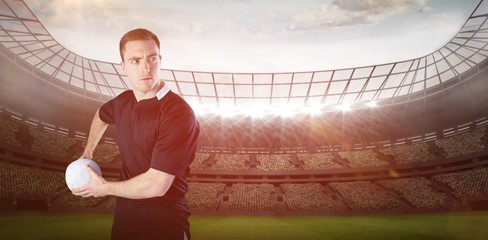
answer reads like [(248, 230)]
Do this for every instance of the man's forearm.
[(97, 129), (152, 183)]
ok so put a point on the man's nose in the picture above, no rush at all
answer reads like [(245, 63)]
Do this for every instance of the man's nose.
[(145, 65)]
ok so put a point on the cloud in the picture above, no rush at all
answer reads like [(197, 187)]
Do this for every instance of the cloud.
[(425, 9), (350, 13), (83, 14), (227, 17)]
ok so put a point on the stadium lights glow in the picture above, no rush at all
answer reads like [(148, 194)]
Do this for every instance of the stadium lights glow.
[(257, 111), (226, 110), (345, 107), (261, 110), (198, 109), (283, 110), (372, 104), (313, 110), (245, 110)]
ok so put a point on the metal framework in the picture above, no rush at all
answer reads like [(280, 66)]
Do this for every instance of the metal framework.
[(26, 37)]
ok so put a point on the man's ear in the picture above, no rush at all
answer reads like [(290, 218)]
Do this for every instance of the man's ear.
[(122, 65)]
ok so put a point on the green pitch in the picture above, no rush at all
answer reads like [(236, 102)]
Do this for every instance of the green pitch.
[(472, 226)]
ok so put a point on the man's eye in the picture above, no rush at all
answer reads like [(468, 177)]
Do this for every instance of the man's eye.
[(133, 61), (153, 59)]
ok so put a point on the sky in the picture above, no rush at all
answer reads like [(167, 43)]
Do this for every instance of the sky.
[(259, 35)]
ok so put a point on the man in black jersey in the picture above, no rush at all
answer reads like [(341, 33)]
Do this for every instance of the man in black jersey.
[(157, 136)]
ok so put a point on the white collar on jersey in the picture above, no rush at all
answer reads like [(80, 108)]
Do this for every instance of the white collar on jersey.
[(164, 90)]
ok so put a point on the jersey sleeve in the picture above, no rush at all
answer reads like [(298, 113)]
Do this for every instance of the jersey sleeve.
[(107, 110), (175, 146)]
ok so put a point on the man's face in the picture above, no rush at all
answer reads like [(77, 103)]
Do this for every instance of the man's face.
[(141, 65)]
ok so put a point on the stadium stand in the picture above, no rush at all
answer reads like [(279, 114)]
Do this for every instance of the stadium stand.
[(466, 184), (252, 197), (105, 152), (297, 197), (463, 144), (198, 162), (8, 131), (234, 162), (109, 203), (18, 180), (318, 161), (409, 154), (50, 143), (274, 162), (417, 190), (67, 199), (204, 196), (308, 197), (364, 195), (362, 158)]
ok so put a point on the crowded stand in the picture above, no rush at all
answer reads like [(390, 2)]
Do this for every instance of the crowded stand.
[(418, 191), (307, 197), (50, 143), (318, 161), (69, 200), (409, 154), (20, 180), (233, 162), (204, 196), (108, 203), (362, 158), (198, 162), (105, 152), (463, 144), (364, 195), (8, 131), (407, 192), (274, 162), (466, 184), (252, 198)]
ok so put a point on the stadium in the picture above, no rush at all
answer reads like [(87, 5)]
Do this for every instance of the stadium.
[(352, 151)]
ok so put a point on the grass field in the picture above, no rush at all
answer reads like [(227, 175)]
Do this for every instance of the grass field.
[(472, 226)]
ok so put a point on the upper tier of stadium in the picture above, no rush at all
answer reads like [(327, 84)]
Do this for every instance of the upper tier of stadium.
[(30, 42), (46, 84)]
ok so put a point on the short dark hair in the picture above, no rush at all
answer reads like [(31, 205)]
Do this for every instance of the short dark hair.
[(136, 34)]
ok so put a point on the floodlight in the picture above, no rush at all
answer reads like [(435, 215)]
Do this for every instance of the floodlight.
[(372, 104), (225, 110), (313, 109), (345, 107)]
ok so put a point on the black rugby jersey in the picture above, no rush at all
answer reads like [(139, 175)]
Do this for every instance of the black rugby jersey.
[(159, 133)]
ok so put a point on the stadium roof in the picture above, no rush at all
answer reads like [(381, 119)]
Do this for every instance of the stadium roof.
[(24, 35), (259, 36)]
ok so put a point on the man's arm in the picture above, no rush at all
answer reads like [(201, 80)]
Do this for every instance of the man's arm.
[(153, 183), (97, 129)]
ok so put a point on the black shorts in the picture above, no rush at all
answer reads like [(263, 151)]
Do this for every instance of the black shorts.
[(149, 222)]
